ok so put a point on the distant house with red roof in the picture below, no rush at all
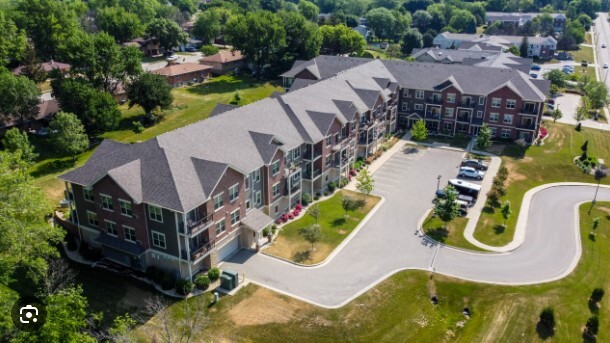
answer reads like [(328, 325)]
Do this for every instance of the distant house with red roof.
[(224, 61), (46, 111), (181, 74), (47, 67)]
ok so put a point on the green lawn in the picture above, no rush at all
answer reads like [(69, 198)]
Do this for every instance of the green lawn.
[(453, 234), (191, 104), (583, 53), (399, 310), (335, 228), (376, 54), (537, 165), (588, 38)]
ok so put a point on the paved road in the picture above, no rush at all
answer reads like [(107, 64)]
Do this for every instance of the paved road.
[(182, 58), (387, 243), (602, 36)]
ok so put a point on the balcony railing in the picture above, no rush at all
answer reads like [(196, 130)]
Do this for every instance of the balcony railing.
[(199, 251), (464, 119), (434, 100), (296, 186), (527, 126), (433, 115), (308, 175), (340, 163), (307, 154), (469, 104), (194, 226), (529, 110)]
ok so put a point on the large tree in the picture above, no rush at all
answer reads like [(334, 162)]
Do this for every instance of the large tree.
[(381, 21), (412, 39), (416, 5), (422, 20), (167, 32), (68, 135), (17, 141), (556, 77), (119, 23), (12, 41), (101, 61), (145, 10), (355, 7), (303, 39), (97, 110), (32, 66), (260, 35), (210, 24), (149, 91), (19, 97), (340, 39), (309, 10), (463, 21)]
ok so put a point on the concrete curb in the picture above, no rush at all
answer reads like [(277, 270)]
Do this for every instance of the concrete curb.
[(341, 245)]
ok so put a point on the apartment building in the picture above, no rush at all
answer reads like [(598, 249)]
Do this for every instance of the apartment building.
[(482, 58), (519, 19), (190, 198)]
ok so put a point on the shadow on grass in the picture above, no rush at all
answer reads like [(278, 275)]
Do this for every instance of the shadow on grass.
[(593, 307), (53, 166), (224, 85), (588, 338), (499, 229), (439, 234), (488, 210), (301, 256), (544, 331), (339, 222)]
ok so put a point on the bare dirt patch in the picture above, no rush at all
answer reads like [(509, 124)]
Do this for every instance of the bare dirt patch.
[(605, 209), (299, 251), (513, 175), (497, 149), (265, 307)]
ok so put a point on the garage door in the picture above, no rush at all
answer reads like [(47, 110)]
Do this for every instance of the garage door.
[(228, 249)]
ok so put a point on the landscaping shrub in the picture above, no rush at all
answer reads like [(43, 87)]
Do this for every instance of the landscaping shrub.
[(332, 186), (168, 281), (343, 182), (202, 282), (266, 232), (214, 274), (326, 193), (72, 246), (273, 229), (306, 199), (184, 286), (316, 198), (318, 194), (138, 127)]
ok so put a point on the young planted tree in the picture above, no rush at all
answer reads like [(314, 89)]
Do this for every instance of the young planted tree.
[(596, 223), (349, 204), (419, 132), (312, 234), (68, 135), (557, 114), (365, 182), (448, 208), (314, 212), (17, 141), (484, 138), (506, 212)]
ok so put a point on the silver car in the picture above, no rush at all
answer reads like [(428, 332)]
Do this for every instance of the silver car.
[(469, 172)]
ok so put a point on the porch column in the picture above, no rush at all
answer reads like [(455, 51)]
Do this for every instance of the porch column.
[(188, 248), (257, 237)]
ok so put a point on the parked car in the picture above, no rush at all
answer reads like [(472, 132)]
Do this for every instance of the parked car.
[(168, 53), (534, 75), (469, 172), (535, 67), (551, 101), (476, 164), (603, 45), (605, 65), (584, 63)]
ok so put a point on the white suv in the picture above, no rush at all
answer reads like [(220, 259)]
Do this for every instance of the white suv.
[(472, 173)]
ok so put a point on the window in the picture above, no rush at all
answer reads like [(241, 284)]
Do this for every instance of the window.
[(247, 182), (106, 202), (275, 168), (479, 114), (494, 131), (328, 160), (92, 219), (496, 102), (418, 107), (448, 112), (158, 240), (248, 204), (511, 103), (233, 192), (88, 194), (258, 198), (508, 119), (276, 189), (111, 228), (481, 100), (296, 153), (448, 126), (505, 133), (234, 217), (405, 93), (405, 106), (218, 202), (125, 208), (328, 141), (130, 233), (256, 176), (419, 94), (220, 227), (155, 213), (451, 98), (493, 117)]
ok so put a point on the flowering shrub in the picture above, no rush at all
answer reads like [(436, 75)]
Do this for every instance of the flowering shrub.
[(543, 132), (352, 172)]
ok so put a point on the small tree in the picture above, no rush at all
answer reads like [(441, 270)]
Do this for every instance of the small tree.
[(546, 324), (314, 211), (15, 140), (419, 132), (557, 114), (596, 223), (68, 135), (365, 181), (208, 50), (484, 138), (312, 234), (585, 146), (448, 208), (236, 99), (506, 211), (349, 205)]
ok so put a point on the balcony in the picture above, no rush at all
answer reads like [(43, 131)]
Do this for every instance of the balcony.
[(194, 226), (464, 118), (307, 175), (468, 104), (340, 163), (316, 154), (527, 125), (433, 115), (200, 251), (296, 186), (434, 100), (529, 110)]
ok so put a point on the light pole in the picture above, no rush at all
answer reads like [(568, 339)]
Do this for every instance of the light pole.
[(438, 182)]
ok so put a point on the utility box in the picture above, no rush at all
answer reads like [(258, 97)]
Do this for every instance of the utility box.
[(233, 275), (226, 282)]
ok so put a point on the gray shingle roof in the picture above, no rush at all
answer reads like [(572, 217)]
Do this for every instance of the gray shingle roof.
[(222, 108), (257, 220), (325, 66), (301, 83)]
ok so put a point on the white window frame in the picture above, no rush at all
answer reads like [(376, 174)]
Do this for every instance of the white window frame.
[(405, 93), (150, 213), (248, 204), (492, 115), (448, 123), (482, 100), (418, 107), (121, 203), (223, 226), (89, 219), (450, 98), (258, 198), (276, 186), (511, 104), (419, 94), (160, 237), (296, 153), (247, 182), (88, 190), (256, 177), (448, 112), (130, 229), (405, 106), (222, 201), (494, 131), (479, 114), (508, 118), (232, 216), (273, 171), (106, 201), (113, 225), (493, 100), (507, 132), (234, 192)]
